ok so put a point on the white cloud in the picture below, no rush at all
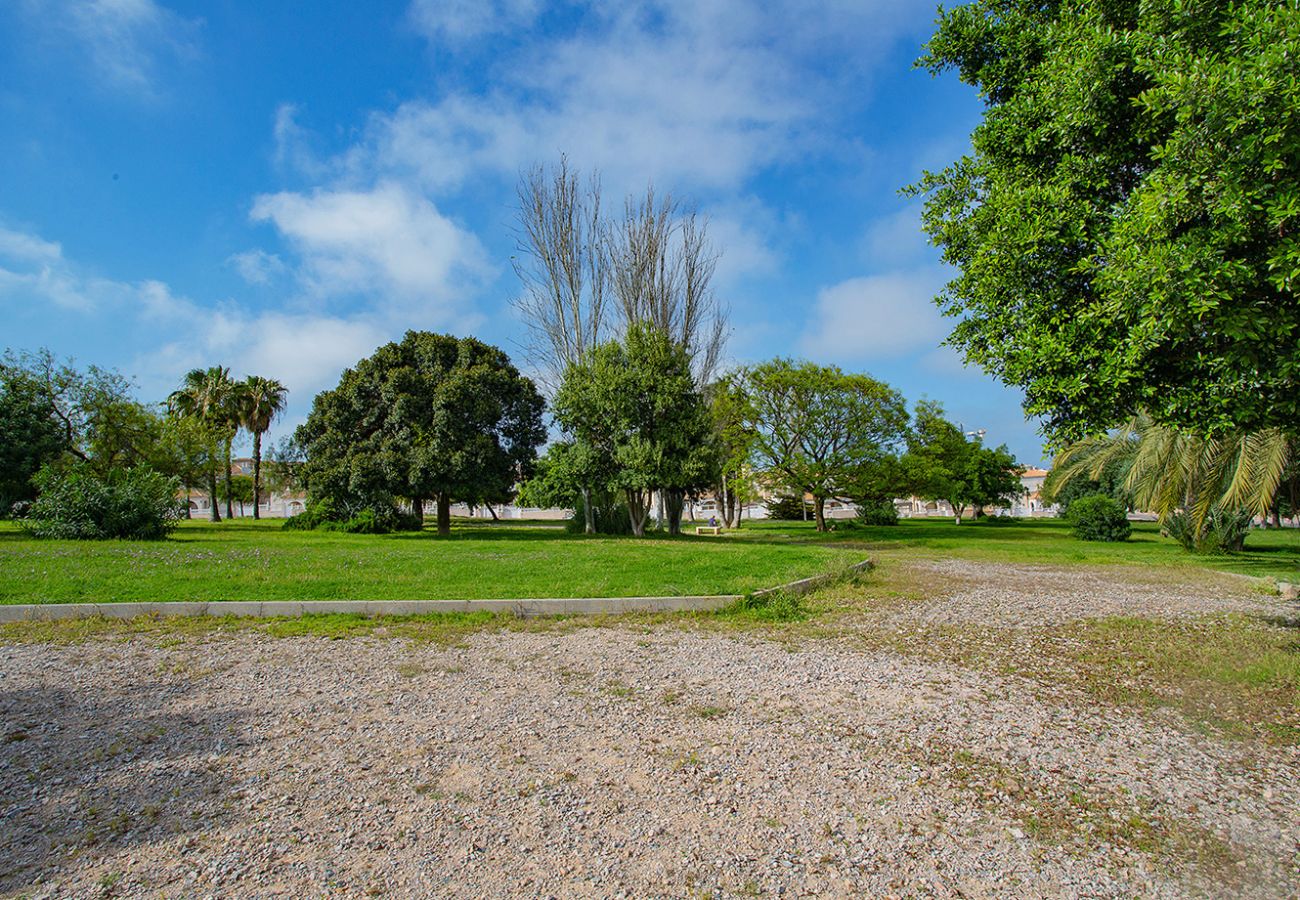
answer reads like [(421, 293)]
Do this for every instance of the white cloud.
[(125, 41), (876, 317), (700, 94), (389, 241), (461, 20), (257, 266), (20, 246), (896, 240)]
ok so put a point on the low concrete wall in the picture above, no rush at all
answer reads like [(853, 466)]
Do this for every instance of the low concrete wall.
[(35, 612)]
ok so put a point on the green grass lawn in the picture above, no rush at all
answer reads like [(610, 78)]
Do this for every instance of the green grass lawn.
[(1268, 553), (246, 560)]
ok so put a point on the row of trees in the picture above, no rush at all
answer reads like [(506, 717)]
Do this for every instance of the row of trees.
[(56, 417), (217, 407)]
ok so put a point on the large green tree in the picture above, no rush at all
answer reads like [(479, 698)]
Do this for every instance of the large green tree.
[(431, 416), (815, 427), (636, 417), (941, 464), (1124, 229), (30, 436)]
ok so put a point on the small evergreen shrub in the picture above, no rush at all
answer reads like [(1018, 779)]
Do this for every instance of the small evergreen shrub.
[(77, 503), (789, 509), (879, 512), (1099, 517)]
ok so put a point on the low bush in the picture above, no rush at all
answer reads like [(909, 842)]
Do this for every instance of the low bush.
[(1099, 517), (77, 503), (880, 512), (324, 515), (1224, 531)]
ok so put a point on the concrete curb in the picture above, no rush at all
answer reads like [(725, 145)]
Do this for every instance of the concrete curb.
[(807, 585), (40, 612)]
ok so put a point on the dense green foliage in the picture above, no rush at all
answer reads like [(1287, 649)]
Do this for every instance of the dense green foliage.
[(78, 503), (818, 430), (878, 512), (638, 423), (941, 463), (433, 416), (1125, 229), (1099, 517), (29, 436)]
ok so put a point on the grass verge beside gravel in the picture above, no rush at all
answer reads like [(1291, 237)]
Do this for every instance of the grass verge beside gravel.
[(1233, 674)]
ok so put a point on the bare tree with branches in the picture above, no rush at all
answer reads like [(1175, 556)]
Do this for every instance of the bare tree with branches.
[(657, 262), (561, 264), (661, 264)]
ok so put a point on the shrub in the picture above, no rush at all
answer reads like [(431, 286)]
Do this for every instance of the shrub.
[(1099, 518), (789, 509), (324, 515), (317, 513), (77, 503), (877, 512), (1224, 531)]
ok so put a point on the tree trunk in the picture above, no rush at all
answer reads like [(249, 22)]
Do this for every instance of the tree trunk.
[(588, 514), (676, 500), (659, 510), (229, 489), (819, 509), (215, 514), (444, 514), (1277, 517), (493, 513), (257, 475), (638, 509)]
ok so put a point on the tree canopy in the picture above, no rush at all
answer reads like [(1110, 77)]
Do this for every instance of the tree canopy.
[(942, 464), (432, 416), (638, 422), (1125, 227), (815, 428)]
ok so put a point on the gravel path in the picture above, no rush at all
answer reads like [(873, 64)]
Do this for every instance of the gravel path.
[(1005, 595), (603, 763)]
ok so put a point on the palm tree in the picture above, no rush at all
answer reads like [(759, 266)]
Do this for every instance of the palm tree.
[(260, 401), (1167, 470), (204, 396)]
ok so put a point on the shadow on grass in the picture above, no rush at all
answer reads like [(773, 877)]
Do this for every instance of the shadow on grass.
[(78, 771)]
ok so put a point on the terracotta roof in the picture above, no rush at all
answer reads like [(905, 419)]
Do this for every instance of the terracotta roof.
[(1033, 472)]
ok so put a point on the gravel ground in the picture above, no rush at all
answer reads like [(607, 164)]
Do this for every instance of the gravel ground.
[(613, 762), (1004, 595)]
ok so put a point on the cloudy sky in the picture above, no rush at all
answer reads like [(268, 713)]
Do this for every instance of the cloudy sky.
[(282, 187)]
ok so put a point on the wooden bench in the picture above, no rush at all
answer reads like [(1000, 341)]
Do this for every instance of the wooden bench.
[(708, 529)]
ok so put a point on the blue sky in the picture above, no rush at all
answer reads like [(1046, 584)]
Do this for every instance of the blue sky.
[(282, 187)]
